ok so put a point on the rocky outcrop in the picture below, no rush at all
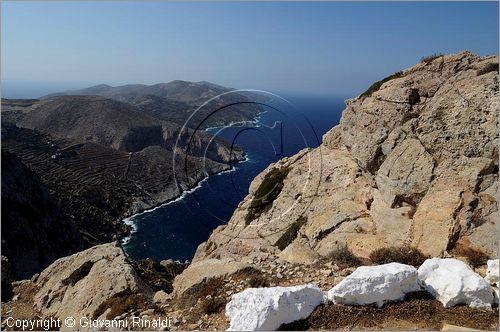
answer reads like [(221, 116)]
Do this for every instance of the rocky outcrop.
[(84, 284), (266, 309), (376, 285), (413, 162), (453, 282)]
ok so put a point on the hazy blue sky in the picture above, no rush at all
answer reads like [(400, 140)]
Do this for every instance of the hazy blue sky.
[(337, 48)]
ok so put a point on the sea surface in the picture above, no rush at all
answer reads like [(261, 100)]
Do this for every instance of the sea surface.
[(175, 229)]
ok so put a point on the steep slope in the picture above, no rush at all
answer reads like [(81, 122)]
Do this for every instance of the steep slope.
[(101, 160), (413, 162), (95, 119), (35, 232)]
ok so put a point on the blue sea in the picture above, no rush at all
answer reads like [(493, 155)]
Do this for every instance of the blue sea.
[(174, 230)]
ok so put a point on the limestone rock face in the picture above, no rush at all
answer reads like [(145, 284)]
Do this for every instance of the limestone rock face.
[(452, 282), (413, 162), (376, 284), (266, 309), (77, 285)]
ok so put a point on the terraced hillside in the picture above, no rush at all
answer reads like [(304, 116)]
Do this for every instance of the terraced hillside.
[(100, 160)]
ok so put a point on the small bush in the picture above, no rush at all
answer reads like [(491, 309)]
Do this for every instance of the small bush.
[(493, 66), (255, 278), (268, 191), (377, 85), (258, 281), (121, 303), (79, 273), (344, 258), (212, 306), (209, 287), (430, 58), (403, 255), (475, 257), (290, 234)]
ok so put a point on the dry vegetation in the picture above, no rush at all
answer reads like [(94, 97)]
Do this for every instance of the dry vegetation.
[(343, 258), (474, 257), (403, 255), (418, 312)]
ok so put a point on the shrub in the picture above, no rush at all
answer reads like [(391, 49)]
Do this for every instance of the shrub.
[(79, 273), (258, 281), (344, 258), (430, 58), (291, 233), (474, 257), (212, 306), (493, 66), (268, 191), (209, 287), (404, 255), (121, 303), (377, 85), (254, 277)]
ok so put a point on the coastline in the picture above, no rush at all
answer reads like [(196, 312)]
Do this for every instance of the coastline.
[(128, 218)]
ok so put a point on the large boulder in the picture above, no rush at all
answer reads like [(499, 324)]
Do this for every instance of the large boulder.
[(492, 272), (453, 282), (202, 271), (266, 309), (78, 285), (376, 284)]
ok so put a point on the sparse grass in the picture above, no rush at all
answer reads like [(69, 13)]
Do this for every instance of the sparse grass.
[(212, 306), (258, 281), (344, 258), (210, 287), (254, 277), (123, 302), (291, 233), (475, 257), (416, 312), (268, 191), (79, 273), (404, 255), (377, 85), (430, 58), (493, 66)]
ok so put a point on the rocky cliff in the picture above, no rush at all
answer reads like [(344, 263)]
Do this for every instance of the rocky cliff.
[(411, 168), (413, 162)]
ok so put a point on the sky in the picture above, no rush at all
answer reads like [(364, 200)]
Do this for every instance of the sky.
[(335, 48)]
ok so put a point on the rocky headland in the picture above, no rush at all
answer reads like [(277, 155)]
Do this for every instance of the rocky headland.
[(101, 158), (392, 223)]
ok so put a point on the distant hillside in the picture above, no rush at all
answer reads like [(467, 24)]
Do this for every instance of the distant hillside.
[(100, 159), (177, 100), (189, 92)]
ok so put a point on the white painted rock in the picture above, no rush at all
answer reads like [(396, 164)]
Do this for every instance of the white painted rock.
[(453, 282), (492, 272), (265, 309), (376, 284)]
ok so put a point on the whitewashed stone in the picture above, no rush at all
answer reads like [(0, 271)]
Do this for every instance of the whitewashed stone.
[(265, 309), (492, 272), (453, 282), (376, 284)]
